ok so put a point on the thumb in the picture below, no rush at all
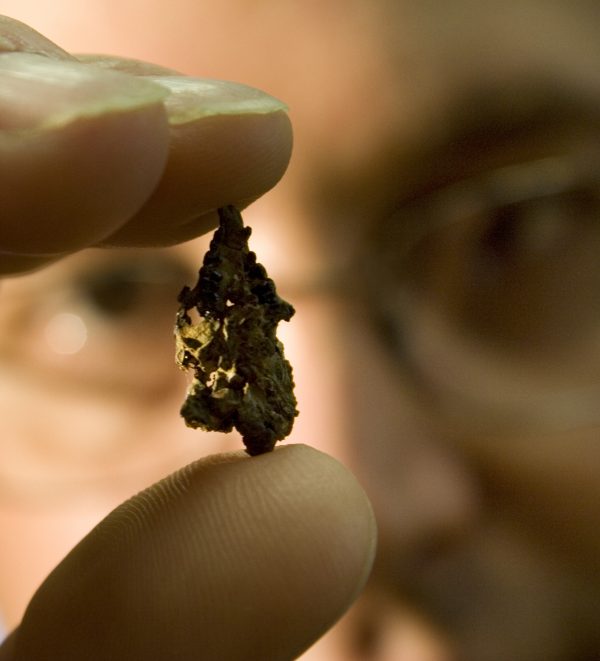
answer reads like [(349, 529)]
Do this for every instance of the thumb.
[(230, 558)]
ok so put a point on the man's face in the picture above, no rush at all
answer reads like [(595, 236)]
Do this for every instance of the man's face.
[(438, 234)]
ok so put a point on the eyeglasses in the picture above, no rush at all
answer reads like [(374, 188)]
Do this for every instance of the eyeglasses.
[(86, 361), (488, 291)]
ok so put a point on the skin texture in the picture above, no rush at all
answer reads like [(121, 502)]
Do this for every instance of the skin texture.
[(165, 181), (480, 459), (254, 556), (231, 558)]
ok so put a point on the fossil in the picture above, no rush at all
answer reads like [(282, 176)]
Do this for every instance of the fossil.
[(226, 333)]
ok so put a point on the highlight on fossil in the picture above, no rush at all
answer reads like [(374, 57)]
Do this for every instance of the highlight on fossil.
[(241, 378)]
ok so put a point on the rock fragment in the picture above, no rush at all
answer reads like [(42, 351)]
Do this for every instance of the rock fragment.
[(241, 377)]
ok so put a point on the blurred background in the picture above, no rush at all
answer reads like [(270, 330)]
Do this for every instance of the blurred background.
[(438, 232)]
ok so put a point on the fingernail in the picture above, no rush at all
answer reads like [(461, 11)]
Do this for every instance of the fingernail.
[(195, 98), (37, 92)]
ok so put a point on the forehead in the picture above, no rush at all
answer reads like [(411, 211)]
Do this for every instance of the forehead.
[(473, 78)]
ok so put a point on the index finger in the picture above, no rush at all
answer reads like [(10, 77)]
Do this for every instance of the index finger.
[(92, 156)]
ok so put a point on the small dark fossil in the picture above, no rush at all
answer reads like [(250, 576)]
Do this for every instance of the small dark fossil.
[(241, 376)]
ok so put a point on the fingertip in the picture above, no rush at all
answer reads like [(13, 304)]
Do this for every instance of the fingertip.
[(213, 161), (326, 483), (16, 36), (231, 558), (82, 149), (67, 188)]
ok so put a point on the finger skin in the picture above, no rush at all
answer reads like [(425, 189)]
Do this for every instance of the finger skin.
[(126, 65), (11, 264), (68, 187), (16, 36), (231, 558), (233, 157), (136, 178), (212, 162)]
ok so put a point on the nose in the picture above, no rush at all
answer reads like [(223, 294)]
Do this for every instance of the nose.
[(317, 359), (423, 494)]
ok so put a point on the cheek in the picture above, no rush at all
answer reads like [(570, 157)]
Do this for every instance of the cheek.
[(312, 346), (422, 493), (547, 483), (90, 451), (67, 458)]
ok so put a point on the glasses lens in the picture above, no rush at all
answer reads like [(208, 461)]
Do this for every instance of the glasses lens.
[(490, 290)]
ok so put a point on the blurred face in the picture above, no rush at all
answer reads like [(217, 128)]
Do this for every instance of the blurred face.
[(438, 235)]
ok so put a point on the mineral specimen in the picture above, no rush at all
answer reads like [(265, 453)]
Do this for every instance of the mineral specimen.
[(241, 377)]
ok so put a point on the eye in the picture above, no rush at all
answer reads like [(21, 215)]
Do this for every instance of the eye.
[(104, 320), (131, 290), (527, 276), (115, 293), (512, 263)]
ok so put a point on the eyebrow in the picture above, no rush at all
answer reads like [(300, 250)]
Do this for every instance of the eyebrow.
[(483, 128), (482, 125), (486, 124)]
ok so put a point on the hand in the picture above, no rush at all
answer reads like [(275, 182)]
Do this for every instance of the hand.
[(92, 155), (232, 557)]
